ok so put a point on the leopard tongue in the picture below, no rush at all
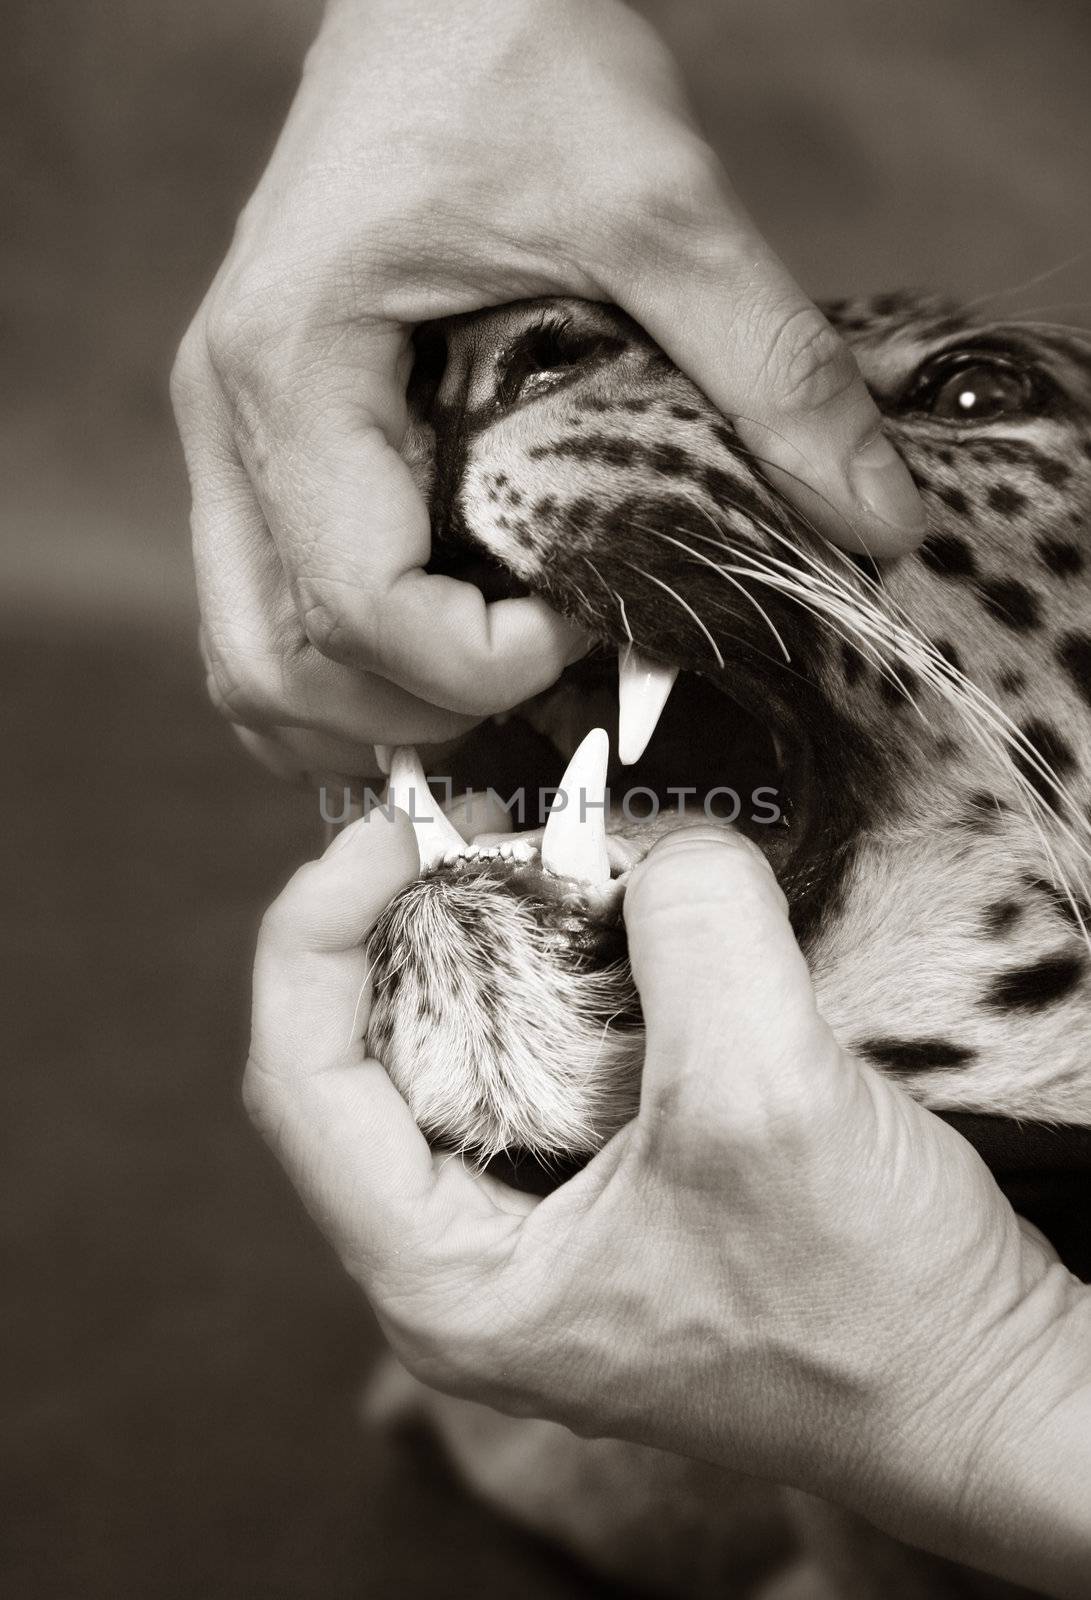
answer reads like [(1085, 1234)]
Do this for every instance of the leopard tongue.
[(408, 790), (643, 688), (574, 841)]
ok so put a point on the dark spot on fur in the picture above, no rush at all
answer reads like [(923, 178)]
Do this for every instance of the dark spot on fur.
[(956, 500), (899, 691), (949, 653), (948, 555), (1033, 987), (685, 413), (1012, 680), (886, 305), (852, 663), (916, 1055), (670, 459), (1005, 500), (1001, 917), (1061, 557), (734, 493), (1055, 473), (1010, 602), (580, 514), (1054, 751), (983, 813), (546, 506), (1074, 654)]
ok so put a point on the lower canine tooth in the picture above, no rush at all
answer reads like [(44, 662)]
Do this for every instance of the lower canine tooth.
[(437, 836), (574, 841), (643, 688)]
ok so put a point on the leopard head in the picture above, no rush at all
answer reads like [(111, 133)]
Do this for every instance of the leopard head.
[(918, 731)]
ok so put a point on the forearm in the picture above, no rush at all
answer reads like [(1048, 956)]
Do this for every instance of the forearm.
[(1000, 1480)]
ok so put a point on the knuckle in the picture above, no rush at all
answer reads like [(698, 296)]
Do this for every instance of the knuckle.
[(190, 373), (241, 326), (332, 630), (809, 365), (244, 692), (259, 1099), (671, 204), (233, 342)]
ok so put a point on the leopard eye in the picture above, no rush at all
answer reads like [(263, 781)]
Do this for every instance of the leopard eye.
[(974, 388), (545, 355)]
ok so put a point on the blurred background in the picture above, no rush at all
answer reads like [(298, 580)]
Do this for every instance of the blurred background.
[(179, 1354)]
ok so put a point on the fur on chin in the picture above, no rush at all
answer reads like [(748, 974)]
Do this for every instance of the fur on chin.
[(496, 1028)]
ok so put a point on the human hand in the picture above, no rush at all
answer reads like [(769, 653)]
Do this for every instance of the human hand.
[(437, 159), (783, 1265)]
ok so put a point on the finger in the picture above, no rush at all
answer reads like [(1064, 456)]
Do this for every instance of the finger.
[(344, 1133), (353, 536), (263, 672), (726, 994), (740, 326), (327, 910)]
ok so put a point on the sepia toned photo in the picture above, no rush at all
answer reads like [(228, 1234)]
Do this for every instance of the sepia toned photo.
[(546, 621)]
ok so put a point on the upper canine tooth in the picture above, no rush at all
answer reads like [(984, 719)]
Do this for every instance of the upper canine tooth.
[(643, 687), (407, 789), (574, 841)]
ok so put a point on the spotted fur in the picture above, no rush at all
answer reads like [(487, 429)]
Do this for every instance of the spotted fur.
[(939, 707), (937, 715)]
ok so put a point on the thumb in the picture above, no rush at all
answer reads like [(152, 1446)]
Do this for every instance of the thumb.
[(726, 994), (748, 336)]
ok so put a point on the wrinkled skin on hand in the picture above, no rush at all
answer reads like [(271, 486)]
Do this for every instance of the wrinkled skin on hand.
[(783, 1265), (439, 159)]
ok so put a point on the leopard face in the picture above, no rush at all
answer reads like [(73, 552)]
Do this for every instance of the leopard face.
[(925, 726)]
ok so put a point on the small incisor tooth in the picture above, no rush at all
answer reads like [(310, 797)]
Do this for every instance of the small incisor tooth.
[(643, 688), (574, 841), (407, 789)]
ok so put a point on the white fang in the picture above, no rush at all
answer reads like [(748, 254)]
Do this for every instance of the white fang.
[(574, 841), (436, 835), (643, 688)]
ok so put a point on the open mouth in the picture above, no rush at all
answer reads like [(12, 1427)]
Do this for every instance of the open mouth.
[(646, 748)]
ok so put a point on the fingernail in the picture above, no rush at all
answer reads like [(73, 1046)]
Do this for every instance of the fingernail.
[(881, 482)]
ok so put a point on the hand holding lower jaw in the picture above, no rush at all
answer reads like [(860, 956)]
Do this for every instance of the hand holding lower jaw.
[(782, 1265)]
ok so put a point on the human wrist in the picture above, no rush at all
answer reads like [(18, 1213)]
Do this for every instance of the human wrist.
[(994, 1471)]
